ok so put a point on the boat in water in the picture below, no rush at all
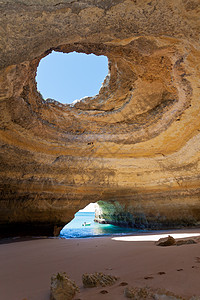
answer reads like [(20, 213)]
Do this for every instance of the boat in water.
[(86, 224)]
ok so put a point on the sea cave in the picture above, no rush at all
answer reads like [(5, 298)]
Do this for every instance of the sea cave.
[(133, 147)]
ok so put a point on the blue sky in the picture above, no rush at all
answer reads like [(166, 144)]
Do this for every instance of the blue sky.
[(89, 208), (68, 77)]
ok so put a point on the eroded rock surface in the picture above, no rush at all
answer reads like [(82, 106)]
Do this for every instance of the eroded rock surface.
[(170, 241), (150, 294), (98, 279), (136, 143), (164, 242), (62, 287)]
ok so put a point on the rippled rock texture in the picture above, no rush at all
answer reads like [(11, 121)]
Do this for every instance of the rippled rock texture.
[(135, 145)]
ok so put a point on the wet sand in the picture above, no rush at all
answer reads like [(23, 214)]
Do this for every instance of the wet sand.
[(26, 266)]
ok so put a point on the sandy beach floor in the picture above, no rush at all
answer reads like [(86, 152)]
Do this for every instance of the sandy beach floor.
[(26, 266)]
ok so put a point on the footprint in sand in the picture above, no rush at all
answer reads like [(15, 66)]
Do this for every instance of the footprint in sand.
[(103, 292), (161, 273), (197, 259), (195, 267), (148, 277), (123, 283)]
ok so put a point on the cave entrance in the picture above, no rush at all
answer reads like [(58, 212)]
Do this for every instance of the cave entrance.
[(85, 225), (67, 77), (82, 225)]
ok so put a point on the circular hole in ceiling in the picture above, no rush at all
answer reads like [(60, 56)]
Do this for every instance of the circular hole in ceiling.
[(67, 77)]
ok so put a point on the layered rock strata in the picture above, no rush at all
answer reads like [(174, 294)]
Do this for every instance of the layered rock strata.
[(135, 143)]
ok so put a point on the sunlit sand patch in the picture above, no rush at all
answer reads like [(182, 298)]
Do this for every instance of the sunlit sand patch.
[(153, 237)]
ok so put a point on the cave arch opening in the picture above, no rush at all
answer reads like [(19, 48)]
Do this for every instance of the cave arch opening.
[(83, 223), (70, 77), (89, 222)]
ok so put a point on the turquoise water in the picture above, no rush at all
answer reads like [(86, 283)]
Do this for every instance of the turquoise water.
[(74, 229)]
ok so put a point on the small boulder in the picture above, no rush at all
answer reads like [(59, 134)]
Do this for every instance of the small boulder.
[(150, 294), (98, 279), (138, 293), (62, 288), (168, 241), (185, 242)]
